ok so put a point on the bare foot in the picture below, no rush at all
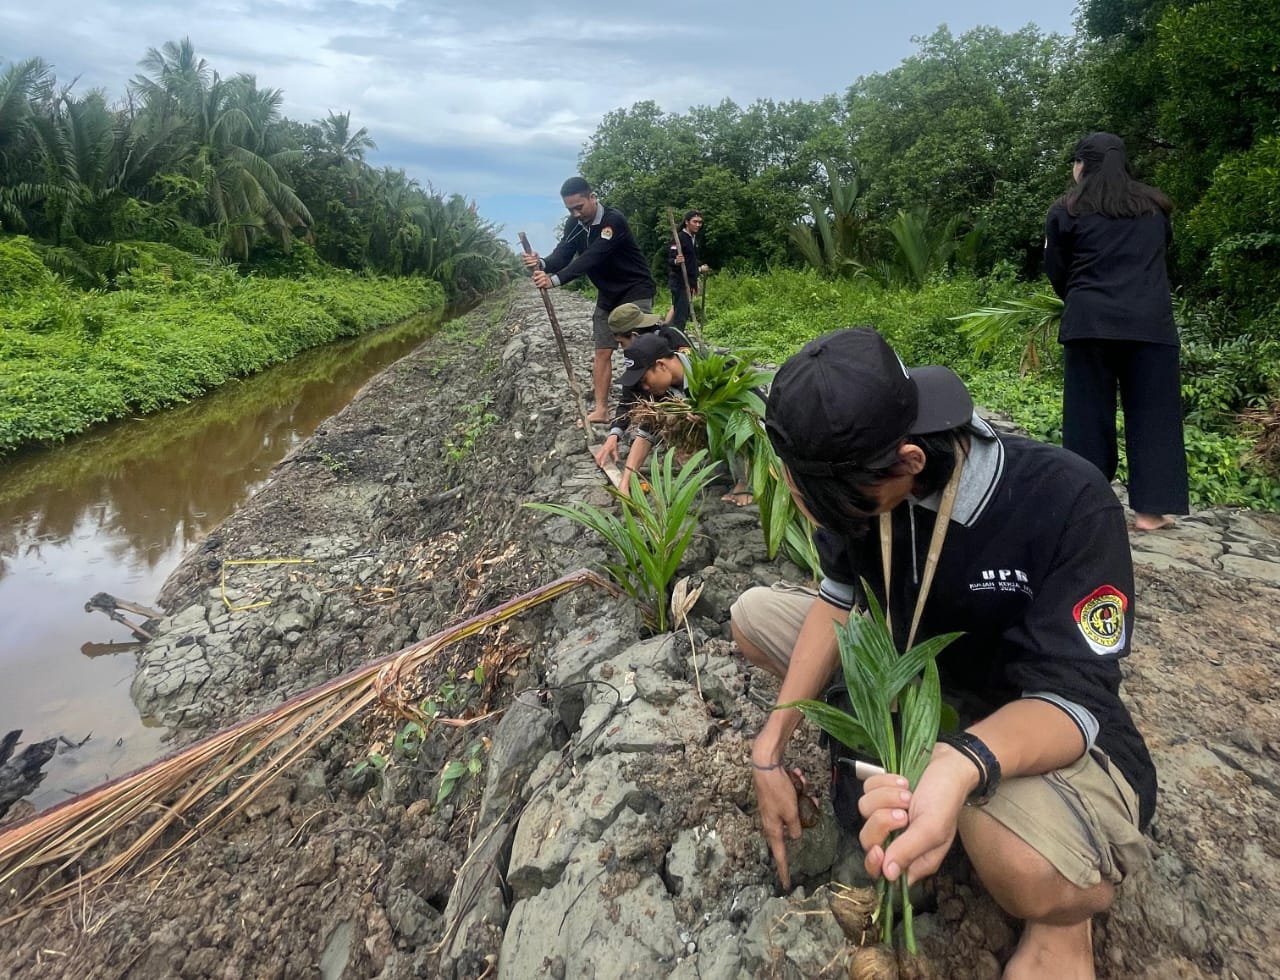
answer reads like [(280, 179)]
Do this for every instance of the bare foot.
[(1152, 522), (1064, 952), (598, 418), (739, 498)]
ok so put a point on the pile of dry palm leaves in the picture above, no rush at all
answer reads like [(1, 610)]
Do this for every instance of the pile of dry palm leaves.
[(202, 786), (673, 422), (1264, 424)]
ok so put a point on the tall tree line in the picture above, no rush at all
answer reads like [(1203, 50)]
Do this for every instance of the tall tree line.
[(189, 160), (954, 155)]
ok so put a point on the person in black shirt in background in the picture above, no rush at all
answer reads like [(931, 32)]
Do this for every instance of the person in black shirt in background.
[(1105, 244), (687, 256), (596, 243), (1034, 569)]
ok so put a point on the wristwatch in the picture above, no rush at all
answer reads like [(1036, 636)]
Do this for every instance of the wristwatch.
[(975, 750)]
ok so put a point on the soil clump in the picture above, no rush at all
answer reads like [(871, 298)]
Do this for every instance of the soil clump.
[(595, 816)]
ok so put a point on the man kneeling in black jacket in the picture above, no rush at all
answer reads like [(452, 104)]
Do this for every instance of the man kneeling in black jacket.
[(1033, 566)]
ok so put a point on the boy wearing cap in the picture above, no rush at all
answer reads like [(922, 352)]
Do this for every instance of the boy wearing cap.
[(652, 370), (628, 321), (1033, 567)]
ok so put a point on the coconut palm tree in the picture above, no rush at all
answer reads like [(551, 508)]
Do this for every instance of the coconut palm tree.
[(343, 147), (218, 126), (173, 82)]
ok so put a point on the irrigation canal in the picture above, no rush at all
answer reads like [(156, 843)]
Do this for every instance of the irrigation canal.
[(114, 511)]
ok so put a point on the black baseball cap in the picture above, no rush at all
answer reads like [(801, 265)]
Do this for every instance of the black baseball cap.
[(846, 401), (645, 351), (1094, 147)]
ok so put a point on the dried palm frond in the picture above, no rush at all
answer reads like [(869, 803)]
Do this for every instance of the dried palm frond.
[(53, 843), (1264, 424), (673, 422)]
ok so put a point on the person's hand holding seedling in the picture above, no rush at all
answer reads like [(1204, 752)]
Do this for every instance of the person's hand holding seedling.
[(881, 682), (924, 819)]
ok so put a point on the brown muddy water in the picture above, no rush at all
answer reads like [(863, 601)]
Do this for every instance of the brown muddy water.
[(114, 511)]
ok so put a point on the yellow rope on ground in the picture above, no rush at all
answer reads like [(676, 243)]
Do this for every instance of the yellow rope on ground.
[(222, 585)]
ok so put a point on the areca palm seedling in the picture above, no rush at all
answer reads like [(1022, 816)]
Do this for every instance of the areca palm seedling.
[(724, 414), (1034, 320), (879, 679), (653, 531)]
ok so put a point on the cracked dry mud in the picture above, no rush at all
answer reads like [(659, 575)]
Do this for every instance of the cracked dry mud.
[(612, 832)]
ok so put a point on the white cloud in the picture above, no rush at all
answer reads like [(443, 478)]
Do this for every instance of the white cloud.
[(509, 90)]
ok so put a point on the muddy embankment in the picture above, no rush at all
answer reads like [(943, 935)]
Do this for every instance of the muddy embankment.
[(611, 828)]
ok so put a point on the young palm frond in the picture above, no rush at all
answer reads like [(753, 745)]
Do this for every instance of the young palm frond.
[(240, 762), (1034, 320), (655, 528), (832, 238), (724, 413), (922, 247)]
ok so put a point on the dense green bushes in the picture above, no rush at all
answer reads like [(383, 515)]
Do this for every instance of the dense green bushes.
[(775, 314), (70, 359)]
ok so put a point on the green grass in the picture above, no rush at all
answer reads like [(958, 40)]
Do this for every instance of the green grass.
[(776, 313), (70, 359)]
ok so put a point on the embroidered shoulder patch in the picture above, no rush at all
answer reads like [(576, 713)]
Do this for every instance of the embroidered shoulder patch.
[(606, 233), (1100, 619)]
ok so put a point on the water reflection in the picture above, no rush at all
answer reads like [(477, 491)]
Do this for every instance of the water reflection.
[(113, 512)]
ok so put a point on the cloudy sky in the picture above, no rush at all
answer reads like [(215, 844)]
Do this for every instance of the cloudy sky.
[(494, 99)]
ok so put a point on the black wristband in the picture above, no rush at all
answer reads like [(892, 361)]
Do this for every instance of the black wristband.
[(759, 768), (975, 750)]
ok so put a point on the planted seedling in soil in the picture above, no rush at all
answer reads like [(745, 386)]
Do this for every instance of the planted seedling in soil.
[(879, 679), (653, 531)]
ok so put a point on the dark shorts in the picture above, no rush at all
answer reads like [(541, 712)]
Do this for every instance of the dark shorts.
[(600, 332)]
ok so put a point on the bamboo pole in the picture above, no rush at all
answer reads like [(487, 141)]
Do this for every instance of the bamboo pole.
[(564, 352)]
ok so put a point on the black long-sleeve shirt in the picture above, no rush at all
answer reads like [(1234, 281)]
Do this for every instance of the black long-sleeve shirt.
[(1111, 274), (689, 247), (607, 254)]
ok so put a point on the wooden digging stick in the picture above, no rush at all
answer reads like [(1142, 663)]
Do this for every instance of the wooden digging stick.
[(684, 273), (564, 352)]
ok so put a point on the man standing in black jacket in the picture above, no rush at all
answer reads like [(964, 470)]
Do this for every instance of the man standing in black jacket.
[(597, 243), (683, 253)]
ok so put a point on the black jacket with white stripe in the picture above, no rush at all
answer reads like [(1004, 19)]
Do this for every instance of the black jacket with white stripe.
[(1036, 571), (607, 254)]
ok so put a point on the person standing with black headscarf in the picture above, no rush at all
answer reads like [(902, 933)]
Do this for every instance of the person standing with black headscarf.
[(1105, 245)]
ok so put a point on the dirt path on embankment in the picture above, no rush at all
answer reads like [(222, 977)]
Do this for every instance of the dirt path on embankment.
[(611, 827)]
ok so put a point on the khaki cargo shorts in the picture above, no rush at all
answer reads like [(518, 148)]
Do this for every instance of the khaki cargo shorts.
[(1083, 819)]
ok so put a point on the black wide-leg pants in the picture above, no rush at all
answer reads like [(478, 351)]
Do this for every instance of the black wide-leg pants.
[(1146, 376)]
